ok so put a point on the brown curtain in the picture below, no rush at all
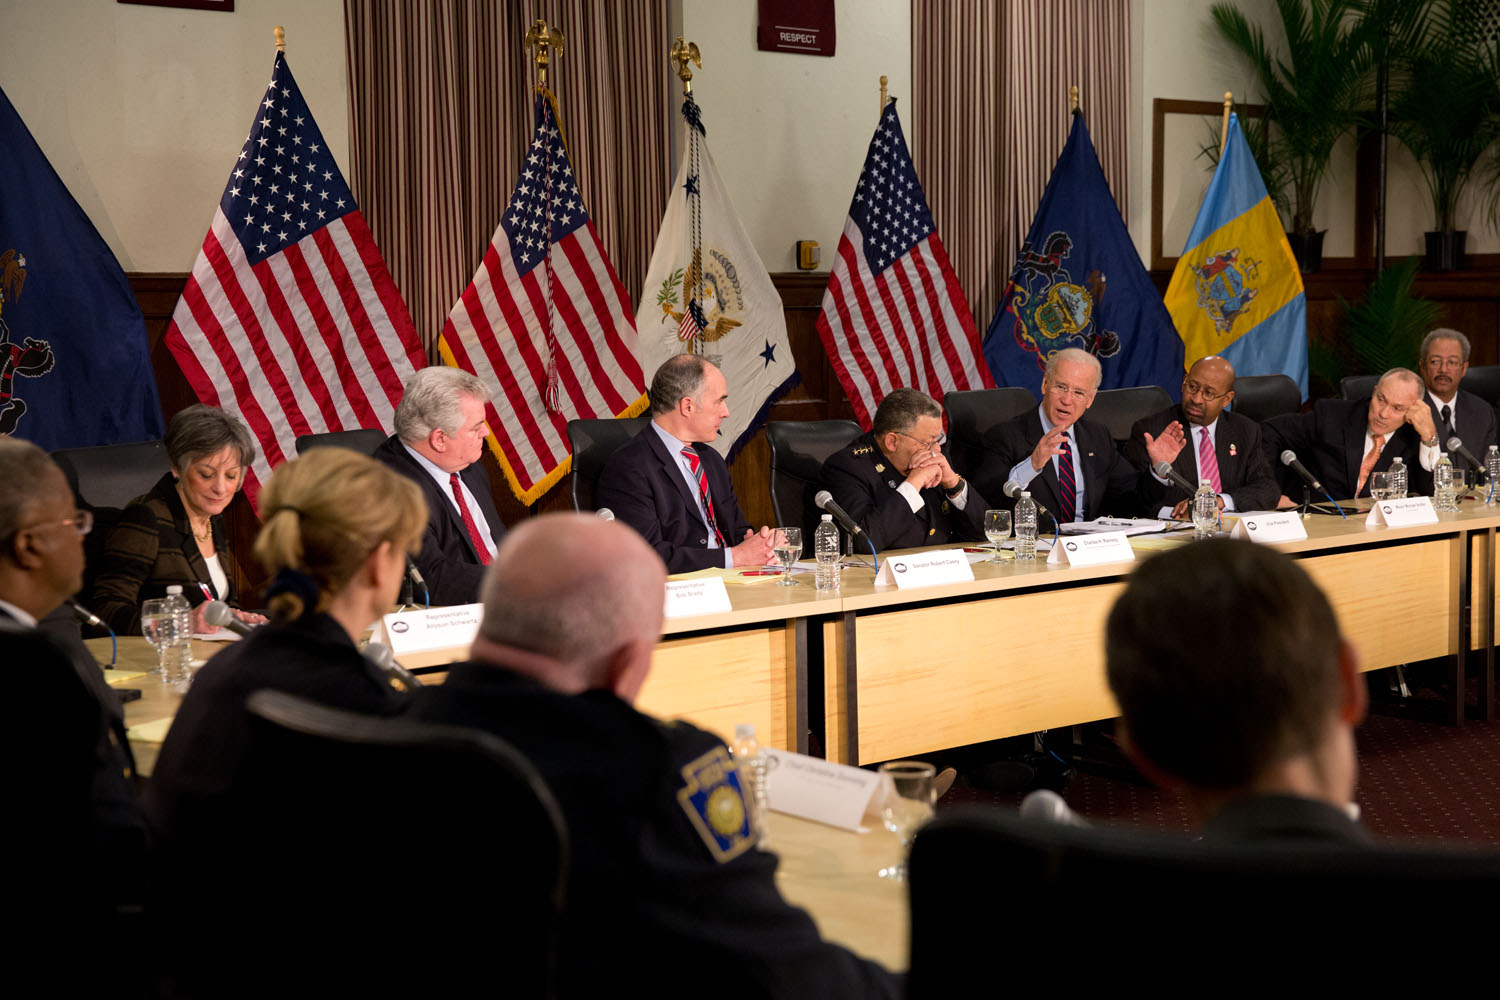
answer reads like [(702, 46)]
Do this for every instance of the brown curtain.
[(440, 107), (990, 115)]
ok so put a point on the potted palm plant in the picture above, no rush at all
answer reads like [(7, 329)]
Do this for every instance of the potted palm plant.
[(1313, 89)]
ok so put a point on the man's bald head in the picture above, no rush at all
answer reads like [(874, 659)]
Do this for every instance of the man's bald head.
[(1207, 388), (578, 591)]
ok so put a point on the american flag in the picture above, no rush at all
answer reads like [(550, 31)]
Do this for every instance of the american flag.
[(545, 322), (893, 315), (290, 319)]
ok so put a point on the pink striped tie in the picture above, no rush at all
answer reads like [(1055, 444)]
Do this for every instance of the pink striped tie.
[(1208, 462)]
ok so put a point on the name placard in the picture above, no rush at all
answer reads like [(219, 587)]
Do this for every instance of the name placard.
[(1283, 527), (702, 596), (925, 569), (1092, 550), (1400, 513), (432, 628), (819, 790)]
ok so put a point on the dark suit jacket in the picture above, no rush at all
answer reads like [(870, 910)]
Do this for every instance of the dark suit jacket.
[(1330, 440), (1111, 485), (1476, 425), (643, 484), (447, 561), (862, 481), (1244, 471)]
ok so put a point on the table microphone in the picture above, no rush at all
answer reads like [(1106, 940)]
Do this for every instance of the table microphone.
[(384, 660), (1046, 805), (604, 514), (1165, 470), (1289, 459), (824, 501), (1014, 489), (1455, 445), (218, 613), (86, 616)]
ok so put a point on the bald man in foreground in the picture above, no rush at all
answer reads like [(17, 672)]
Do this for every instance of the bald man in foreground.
[(667, 891)]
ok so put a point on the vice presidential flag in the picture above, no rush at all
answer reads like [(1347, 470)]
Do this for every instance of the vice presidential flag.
[(545, 322), (290, 319), (707, 290), (893, 315), (1078, 282), (1237, 291), (74, 368)]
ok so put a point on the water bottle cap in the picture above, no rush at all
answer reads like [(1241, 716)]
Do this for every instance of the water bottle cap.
[(744, 731), (174, 589), (1204, 482), (1025, 494), (827, 517)]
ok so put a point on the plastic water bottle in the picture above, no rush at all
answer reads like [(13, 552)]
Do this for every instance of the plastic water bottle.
[(1442, 484), (1025, 527), (176, 655), (752, 764), (1398, 479), (1205, 510), (826, 549), (1491, 474)]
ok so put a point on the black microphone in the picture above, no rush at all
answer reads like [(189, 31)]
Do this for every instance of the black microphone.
[(1165, 470), (220, 614), (1014, 490), (85, 615), (1289, 459), (384, 660), (1455, 445), (414, 576), (825, 501)]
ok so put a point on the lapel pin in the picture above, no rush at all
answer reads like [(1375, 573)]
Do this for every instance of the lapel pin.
[(1233, 451)]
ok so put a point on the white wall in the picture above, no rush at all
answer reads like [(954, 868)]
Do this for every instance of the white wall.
[(142, 110)]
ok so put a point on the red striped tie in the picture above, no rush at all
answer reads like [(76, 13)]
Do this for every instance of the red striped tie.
[(468, 519), (1208, 461), (701, 474), (1068, 487)]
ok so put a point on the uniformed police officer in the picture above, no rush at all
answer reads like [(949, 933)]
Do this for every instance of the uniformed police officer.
[(896, 481)]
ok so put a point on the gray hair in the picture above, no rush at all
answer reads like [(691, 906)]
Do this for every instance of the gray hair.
[(432, 400), (1402, 375), (201, 431), (902, 408), (23, 468), (676, 379), (1077, 356), (1444, 333)]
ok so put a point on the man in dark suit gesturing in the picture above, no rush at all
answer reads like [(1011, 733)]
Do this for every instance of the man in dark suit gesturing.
[(1069, 465), (672, 486), (1444, 362), (1222, 446), (440, 432)]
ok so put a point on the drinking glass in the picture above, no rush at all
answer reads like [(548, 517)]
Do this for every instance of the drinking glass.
[(788, 547), (159, 626), (908, 804), (1380, 486), (996, 529)]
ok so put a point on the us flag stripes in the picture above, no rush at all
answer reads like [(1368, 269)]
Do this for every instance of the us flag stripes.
[(894, 315), (545, 322), (290, 319)]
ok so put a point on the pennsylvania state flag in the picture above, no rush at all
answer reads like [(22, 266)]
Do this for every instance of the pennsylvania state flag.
[(74, 368), (1078, 282), (1236, 291)]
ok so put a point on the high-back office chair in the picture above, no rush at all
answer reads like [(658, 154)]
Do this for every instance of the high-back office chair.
[(1261, 397), (1484, 382), (1119, 409), (972, 413), (1357, 386), (362, 439), (1061, 895), (592, 442), (112, 475), (798, 450), (344, 839)]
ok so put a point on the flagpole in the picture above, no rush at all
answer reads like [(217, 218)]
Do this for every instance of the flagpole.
[(1073, 98), (1224, 129), (685, 52), (279, 33), (546, 40), (884, 99)]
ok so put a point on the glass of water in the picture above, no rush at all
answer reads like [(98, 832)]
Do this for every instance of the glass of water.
[(159, 626), (908, 804), (996, 529), (788, 548), (1380, 486)]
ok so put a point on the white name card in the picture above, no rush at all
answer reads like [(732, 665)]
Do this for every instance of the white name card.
[(702, 596), (819, 790), (1283, 527), (1400, 513), (1092, 550), (432, 628), (925, 569)]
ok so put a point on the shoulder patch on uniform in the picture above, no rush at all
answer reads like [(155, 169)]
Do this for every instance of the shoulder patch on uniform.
[(864, 449), (715, 804)]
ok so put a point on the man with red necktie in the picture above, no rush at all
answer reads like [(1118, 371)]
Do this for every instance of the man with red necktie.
[(672, 486), (440, 432)]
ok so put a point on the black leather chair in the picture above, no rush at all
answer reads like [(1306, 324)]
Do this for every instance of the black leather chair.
[(1119, 409), (987, 880), (112, 475), (1260, 397), (362, 440), (347, 837), (1357, 386), (798, 450), (972, 413), (1484, 382), (593, 441)]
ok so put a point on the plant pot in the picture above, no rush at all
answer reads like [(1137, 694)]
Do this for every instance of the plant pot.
[(1445, 250), (1308, 249)]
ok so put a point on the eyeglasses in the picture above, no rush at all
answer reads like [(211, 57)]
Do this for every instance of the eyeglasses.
[(932, 445), (1060, 390), (82, 522), (1208, 395), (1445, 362)]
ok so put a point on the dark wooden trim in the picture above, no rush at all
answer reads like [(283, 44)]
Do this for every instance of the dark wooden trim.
[(1160, 108)]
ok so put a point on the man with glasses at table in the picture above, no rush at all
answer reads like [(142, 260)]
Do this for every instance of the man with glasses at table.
[(1222, 447), (1069, 465), (896, 482), (1444, 362)]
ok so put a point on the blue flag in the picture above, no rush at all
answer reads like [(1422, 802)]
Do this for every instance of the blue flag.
[(74, 365), (1078, 282)]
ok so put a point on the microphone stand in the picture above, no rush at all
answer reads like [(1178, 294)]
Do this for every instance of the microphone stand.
[(1306, 509)]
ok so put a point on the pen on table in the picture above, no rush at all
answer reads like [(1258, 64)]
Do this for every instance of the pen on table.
[(208, 595)]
